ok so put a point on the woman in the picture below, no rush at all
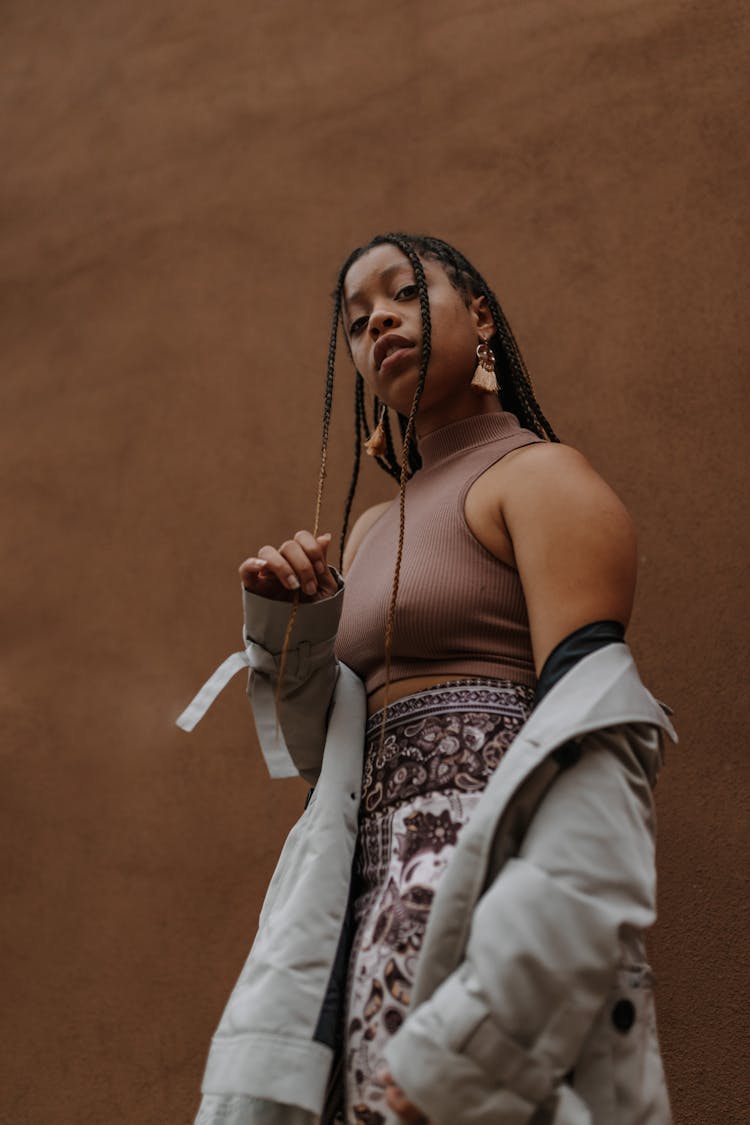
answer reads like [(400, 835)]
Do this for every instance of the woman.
[(511, 570)]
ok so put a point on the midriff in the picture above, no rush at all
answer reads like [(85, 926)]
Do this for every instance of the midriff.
[(399, 688)]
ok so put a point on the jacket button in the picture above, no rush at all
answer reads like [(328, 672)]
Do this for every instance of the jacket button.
[(623, 1015)]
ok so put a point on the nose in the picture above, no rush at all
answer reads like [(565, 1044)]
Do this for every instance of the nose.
[(382, 320)]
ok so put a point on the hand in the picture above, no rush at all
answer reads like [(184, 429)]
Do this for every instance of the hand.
[(398, 1101), (299, 563)]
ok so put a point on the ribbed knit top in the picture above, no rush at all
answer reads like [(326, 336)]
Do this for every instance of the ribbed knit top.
[(460, 610)]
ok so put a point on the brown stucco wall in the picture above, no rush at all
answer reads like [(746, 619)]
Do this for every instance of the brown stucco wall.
[(180, 183)]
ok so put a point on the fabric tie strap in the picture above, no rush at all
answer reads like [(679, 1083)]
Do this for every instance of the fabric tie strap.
[(258, 660)]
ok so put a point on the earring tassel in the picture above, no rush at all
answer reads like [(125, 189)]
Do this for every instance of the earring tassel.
[(375, 444), (484, 379)]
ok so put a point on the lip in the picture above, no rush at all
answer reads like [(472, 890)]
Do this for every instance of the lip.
[(394, 360), (386, 342)]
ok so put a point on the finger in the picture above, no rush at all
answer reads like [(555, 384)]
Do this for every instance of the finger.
[(325, 542), (302, 564), (253, 565), (314, 549), (328, 582), (279, 566), (400, 1104), (331, 582), (397, 1100), (254, 572)]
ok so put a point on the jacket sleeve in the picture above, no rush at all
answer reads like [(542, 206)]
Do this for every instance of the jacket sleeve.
[(497, 1037), (309, 678)]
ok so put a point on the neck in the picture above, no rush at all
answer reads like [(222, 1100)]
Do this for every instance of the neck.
[(443, 415), (462, 434)]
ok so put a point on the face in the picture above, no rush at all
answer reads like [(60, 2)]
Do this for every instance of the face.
[(383, 327)]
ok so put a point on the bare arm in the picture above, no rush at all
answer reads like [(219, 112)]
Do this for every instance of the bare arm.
[(574, 543)]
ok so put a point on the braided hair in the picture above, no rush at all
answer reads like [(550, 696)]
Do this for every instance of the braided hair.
[(515, 389)]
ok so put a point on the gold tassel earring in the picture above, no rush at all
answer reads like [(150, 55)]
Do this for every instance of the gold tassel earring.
[(484, 380), (375, 444)]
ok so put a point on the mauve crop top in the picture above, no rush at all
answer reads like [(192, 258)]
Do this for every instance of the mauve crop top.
[(460, 610)]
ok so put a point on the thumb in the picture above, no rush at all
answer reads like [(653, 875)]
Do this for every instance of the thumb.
[(325, 540)]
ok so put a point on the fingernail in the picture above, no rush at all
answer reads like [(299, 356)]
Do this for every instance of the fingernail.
[(311, 587), (320, 566), (293, 582)]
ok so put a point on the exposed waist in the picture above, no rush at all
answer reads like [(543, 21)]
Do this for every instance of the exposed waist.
[(409, 686), (405, 679)]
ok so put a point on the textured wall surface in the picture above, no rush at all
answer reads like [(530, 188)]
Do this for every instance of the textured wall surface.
[(180, 182)]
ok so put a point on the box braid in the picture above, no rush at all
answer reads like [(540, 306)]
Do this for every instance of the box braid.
[(515, 390), (328, 403), (514, 383)]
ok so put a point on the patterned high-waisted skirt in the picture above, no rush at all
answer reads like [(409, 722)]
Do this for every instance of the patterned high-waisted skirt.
[(441, 746)]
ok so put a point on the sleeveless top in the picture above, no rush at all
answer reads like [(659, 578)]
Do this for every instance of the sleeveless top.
[(459, 610)]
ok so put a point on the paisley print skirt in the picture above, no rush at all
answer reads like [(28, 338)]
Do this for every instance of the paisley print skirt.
[(441, 746)]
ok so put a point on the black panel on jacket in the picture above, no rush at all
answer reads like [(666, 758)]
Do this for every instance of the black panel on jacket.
[(573, 648), (329, 1026)]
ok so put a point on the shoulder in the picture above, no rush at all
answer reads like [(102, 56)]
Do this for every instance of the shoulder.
[(549, 473), (557, 479), (544, 455), (545, 486), (359, 529)]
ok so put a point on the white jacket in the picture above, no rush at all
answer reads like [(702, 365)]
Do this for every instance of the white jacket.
[(533, 1001)]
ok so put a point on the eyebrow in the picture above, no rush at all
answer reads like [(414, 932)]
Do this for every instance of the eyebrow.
[(385, 275)]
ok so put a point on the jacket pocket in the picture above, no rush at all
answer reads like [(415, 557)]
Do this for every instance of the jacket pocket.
[(619, 1072), (473, 1033)]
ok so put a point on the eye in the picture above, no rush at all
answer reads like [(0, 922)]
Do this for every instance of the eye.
[(407, 292), (357, 325)]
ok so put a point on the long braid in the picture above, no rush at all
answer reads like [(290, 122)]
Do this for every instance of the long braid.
[(517, 387), (389, 446), (521, 382), (424, 309), (359, 425), (319, 498), (415, 461), (376, 404)]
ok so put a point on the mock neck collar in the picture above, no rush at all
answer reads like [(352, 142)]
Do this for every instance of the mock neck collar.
[(466, 433)]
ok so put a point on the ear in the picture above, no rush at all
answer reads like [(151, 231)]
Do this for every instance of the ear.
[(482, 316)]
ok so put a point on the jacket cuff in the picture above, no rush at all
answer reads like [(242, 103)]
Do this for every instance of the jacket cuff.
[(443, 1055), (266, 619), (453, 1061)]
